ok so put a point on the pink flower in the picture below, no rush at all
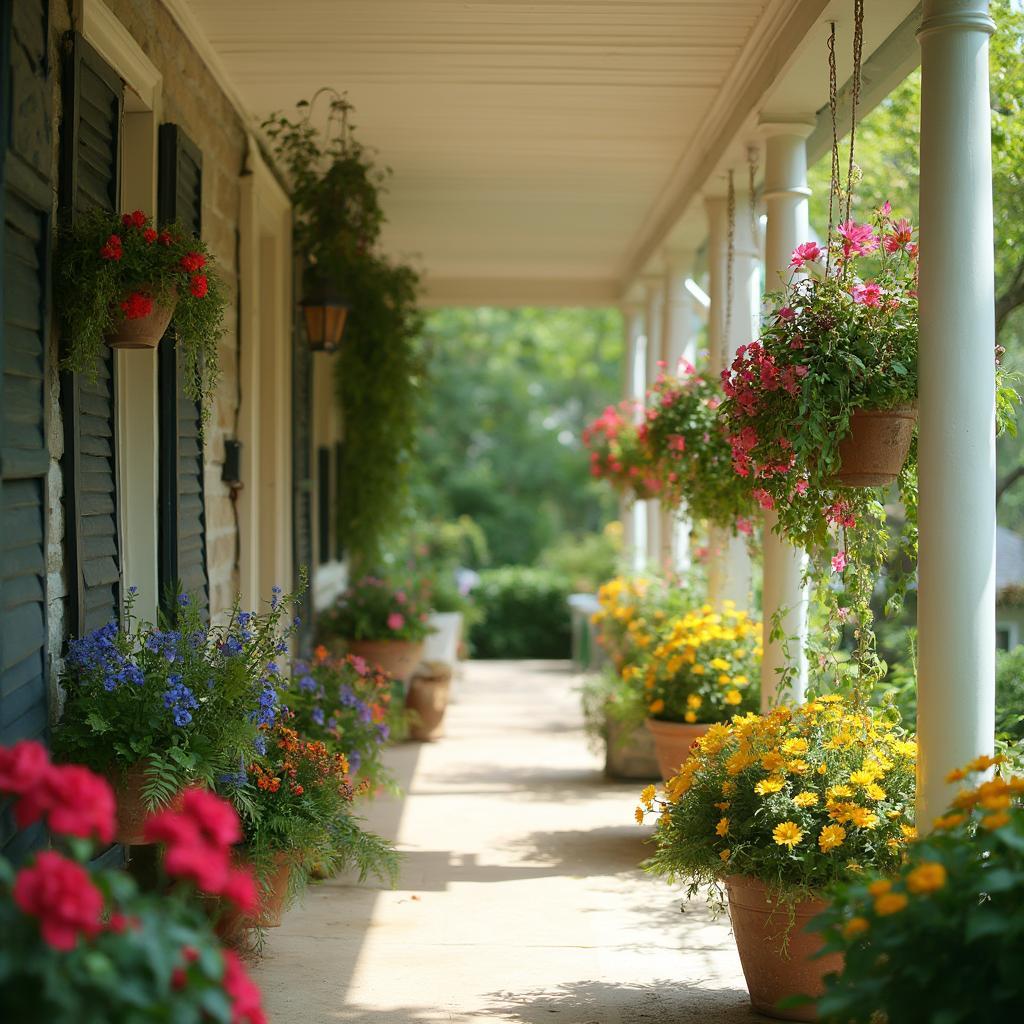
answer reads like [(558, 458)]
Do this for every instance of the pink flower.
[(396, 621), (808, 252), (744, 526), (243, 992), (839, 514), (61, 895), (900, 237), (885, 209), (23, 767), (763, 498), (801, 487), (359, 664), (857, 238), (839, 562), (400, 597), (76, 802), (867, 294), (677, 443), (786, 313)]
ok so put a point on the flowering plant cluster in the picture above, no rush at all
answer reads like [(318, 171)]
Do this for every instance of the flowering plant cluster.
[(349, 705), (619, 452), (704, 666), (841, 336), (111, 269), (296, 801), (374, 608), (942, 937), (184, 701), (797, 799), (688, 442), (84, 946)]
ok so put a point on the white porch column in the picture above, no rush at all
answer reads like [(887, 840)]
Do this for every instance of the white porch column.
[(785, 195), (653, 295), (679, 327), (633, 538), (956, 568), (728, 328)]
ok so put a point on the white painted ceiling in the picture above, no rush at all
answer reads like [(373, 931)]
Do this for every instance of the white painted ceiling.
[(531, 142)]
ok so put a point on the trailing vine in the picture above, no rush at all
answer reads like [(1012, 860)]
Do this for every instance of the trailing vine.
[(335, 188)]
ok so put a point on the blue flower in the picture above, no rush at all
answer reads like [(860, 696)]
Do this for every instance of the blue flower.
[(318, 716), (364, 712), (307, 683), (181, 717), (165, 643), (133, 590), (296, 622), (332, 722), (267, 710), (383, 731), (272, 668), (260, 744), (183, 600), (355, 759), (282, 647), (231, 646), (180, 700)]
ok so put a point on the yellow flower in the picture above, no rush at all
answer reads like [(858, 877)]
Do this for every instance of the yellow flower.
[(983, 763), (647, 796), (769, 785), (996, 820), (795, 746), (656, 706), (905, 748), (909, 832), (690, 716), (854, 928), (862, 817), (697, 670), (733, 697), (948, 821), (830, 837), (724, 680), (874, 792), (788, 833), (797, 766), (728, 788), (722, 828), (929, 876), (740, 680), (837, 791), (996, 801), (863, 777), (805, 799), (822, 768), (724, 855), (639, 815), (890, 903), (694, 700), (880, 887), (773, 761), (720, 664)]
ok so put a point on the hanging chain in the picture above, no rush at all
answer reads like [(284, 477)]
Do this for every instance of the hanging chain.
[(833, 187), (858, 47), (730, 259)]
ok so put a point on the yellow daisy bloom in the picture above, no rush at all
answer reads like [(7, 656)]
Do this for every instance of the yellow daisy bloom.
[(787, 833)]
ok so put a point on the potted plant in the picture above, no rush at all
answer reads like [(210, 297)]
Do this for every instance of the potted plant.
[(123, 280), (941, 938), (295, 803), (703, 668), (381, 621), (155, 709), (347, 703), (777, 808), (81, 944), (619, 452), (693, 456)]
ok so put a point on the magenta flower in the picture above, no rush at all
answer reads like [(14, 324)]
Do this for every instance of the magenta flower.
[(808, 252), (867, 294), (857, 238), (396, 621), (839, 562)]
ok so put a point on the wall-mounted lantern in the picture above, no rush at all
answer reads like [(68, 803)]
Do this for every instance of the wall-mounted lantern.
[(324, 311)]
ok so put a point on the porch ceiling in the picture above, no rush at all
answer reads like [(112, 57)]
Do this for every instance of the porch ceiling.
[(542, 151)]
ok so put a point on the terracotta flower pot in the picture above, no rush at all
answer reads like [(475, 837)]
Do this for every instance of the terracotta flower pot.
[(873, 452), (232, 925), (629, 753), (777, 956), (397, 657), (428, 698), (132, 811), (672, 742), (144, 331)]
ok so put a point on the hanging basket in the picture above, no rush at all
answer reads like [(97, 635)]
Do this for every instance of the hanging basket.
[(873, 452), (144, 331)]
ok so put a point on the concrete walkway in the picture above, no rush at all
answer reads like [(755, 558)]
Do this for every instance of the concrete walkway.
[(520, 897)]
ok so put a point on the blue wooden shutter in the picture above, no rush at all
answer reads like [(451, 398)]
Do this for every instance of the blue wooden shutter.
[(182, 532), (90, 178), (25, 202)]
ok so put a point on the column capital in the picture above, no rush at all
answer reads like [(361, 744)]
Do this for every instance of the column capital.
[(799, 126), (955, 16)]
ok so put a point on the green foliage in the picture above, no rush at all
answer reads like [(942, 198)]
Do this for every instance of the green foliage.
[(335, 189), (941, 939), (104, 262), (181, 699), (511, 392), (437, 551), (586, 560), (524, 614), (373, 608)]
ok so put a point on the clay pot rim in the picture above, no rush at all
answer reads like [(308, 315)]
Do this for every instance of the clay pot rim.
[(774, 900)]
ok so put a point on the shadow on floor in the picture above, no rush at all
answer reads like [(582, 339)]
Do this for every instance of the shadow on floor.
[(435, 870), (598, 1002), (598, 851), (529, 782)]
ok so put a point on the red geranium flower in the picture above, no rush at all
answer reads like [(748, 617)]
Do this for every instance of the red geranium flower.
[(193, 261), (60, 893), (164, 238), (149, 235), (136, 306), (23, 767), (76, 802), (135, 219), (246, 1004), (199, 286), (111, 249)]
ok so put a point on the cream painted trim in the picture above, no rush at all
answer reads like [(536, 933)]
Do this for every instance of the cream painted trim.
[(116, 45), (265, 420), (439, 292)]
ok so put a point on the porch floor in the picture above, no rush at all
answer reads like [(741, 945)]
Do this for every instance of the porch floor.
[(520, 898)]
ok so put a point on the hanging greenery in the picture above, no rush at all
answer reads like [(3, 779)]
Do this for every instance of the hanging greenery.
[(335, 189)]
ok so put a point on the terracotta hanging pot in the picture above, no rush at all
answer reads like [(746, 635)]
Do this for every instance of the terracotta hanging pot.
[(873, 452), (776, 951), (144, 331), (672, 742), (132, 811), (428, 699), (398, 658)]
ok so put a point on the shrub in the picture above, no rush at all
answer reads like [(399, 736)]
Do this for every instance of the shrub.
[(525, 614), (586, 559)]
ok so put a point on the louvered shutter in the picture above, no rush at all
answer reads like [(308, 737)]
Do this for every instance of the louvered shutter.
[(182, 529), (302, 468), (324, 526), (25, 201), (91, 138)]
